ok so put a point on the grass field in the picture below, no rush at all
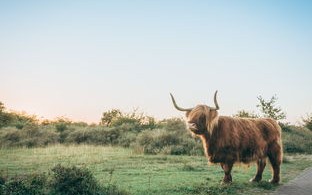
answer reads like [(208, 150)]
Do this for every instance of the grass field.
[(147, 174)]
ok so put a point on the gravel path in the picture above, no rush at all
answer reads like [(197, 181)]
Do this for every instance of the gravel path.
[(301, 185)]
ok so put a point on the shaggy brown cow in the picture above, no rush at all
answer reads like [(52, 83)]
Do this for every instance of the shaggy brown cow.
[(228, 140)]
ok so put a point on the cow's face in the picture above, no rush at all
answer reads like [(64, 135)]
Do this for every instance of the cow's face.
[(200, 118), (196, 119)]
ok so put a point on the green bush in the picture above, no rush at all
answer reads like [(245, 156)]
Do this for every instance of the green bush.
[(113, 190), (60, 127), (296, 139), (167, 142), (77, 136), (172, 138), (73, 181), (138, 121), (61, 124), (21, 120), (62, 181), (5, 117), (188, 146), (97, 136), (308, 121), (126, 139), (245, 114), (34, 184), (29, 136), (173, 124), (135, 130)]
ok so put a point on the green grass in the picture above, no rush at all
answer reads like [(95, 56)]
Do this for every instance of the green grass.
[(147, 174)]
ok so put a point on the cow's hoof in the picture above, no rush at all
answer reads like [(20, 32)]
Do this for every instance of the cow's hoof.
[(226, 182), (274, 181), (255, 179)]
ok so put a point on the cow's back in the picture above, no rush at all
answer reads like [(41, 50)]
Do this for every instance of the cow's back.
[(242, 139)]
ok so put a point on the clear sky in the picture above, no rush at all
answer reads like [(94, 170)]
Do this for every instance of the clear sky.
[(80, 58)]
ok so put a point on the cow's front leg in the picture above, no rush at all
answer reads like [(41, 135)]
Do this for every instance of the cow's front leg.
[(227, 167)]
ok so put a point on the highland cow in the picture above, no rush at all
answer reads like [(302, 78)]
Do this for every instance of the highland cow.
[(228, 140)]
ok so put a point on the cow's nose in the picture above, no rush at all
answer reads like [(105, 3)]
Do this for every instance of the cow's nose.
[(192, 126)]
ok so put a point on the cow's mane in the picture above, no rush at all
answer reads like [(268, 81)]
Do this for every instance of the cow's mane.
[(211, 116)]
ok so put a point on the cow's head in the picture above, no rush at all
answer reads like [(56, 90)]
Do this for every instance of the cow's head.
[(201, 118)]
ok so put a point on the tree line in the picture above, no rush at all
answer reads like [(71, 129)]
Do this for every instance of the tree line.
[(136, 130)]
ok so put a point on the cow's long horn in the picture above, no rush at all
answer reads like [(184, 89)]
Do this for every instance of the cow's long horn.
[(177, 107), (215, 101)]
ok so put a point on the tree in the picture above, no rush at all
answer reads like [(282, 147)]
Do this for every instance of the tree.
[(2, 108), (61, 123), (5, 118), (308, 121), (22, 119), (137, 121), (245, 114), (109, 116), (269, 108)]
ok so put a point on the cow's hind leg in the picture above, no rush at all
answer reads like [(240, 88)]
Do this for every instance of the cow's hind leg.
[(260, 167), (227, 167), (275, 156)]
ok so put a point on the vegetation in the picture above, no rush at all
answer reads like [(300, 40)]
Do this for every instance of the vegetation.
[(24, 184), (5, 117), (81, 165), (61, 180), (119, 170), (269, 108), (115, 118), (141, 133), (110, 117), (296, 139), (246, 114), (307, 122)]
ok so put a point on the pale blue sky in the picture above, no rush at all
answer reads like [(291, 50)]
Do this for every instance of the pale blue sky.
[(80, 58)]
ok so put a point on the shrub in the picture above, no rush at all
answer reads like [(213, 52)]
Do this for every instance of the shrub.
[(60, 127), (73, 181), (245, 114), (22, 119), (188, 146), (173, 124), (115, 118), (166, 142), (110, 116), (64, 135), (5, 119), (17, 119), (30, 136), (154, 142), (77, 136), (113, 190), (296, 139), (25, 184), (308, 121), (63, 181), (10, 135), (98, 136), (126, 139), (61, 124)]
